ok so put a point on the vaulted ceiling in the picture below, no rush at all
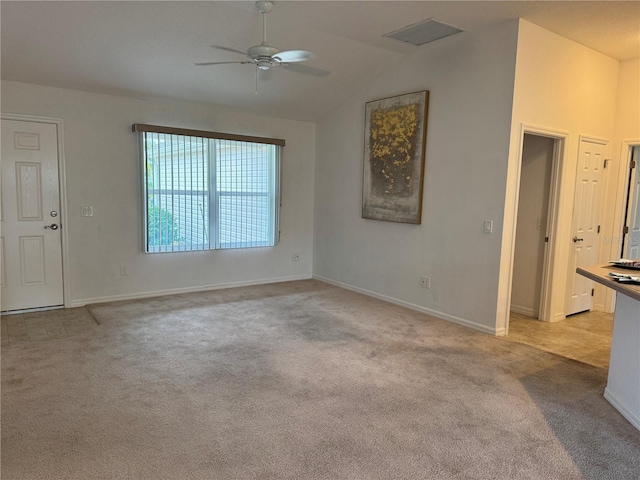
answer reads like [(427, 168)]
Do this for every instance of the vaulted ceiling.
[(148, 48)]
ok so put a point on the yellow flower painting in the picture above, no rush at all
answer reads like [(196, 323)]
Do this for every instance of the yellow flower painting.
[(394, 158), (393, 134)]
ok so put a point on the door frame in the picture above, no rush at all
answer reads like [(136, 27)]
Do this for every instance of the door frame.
[(625, 217), (62, 191), (551, 261)]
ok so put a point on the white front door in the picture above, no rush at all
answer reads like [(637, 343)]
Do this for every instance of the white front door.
[(632, 240), (586, 223), (31, 240)]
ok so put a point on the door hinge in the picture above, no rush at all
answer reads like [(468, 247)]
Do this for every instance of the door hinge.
[(606, 162), (593, 291), (633, 164), (625, 230), (278, 236), (546, 239), (598, 228)]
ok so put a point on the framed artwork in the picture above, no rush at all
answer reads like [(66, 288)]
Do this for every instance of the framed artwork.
[(394, 147)]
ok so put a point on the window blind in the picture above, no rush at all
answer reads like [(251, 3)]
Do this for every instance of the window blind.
[(208, 193)]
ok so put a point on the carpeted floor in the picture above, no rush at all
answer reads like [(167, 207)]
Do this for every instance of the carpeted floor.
[(301, 380)]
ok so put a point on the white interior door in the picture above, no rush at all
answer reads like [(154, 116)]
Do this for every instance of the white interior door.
[(632, 240), (585, 225), (31, 240)]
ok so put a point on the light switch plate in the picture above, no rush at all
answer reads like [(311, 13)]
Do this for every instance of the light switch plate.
[(488, 226)]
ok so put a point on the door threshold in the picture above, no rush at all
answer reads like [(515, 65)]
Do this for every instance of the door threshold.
[(578, 313), (32, 310)]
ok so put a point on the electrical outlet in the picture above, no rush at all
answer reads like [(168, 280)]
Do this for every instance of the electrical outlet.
[(295, 257), (123, 269), (425, 282)]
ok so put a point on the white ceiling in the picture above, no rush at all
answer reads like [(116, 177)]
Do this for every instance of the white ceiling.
[(147, 48)]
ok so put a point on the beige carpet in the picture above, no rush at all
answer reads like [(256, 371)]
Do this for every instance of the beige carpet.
[(301, 381)]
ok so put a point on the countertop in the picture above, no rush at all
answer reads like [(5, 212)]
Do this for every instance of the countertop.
[(600, 274)]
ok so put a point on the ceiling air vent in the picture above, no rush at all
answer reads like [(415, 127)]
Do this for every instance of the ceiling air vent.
[(424, 32)]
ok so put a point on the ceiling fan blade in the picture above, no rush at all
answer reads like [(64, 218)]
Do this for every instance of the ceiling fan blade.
[(227, 49), (306, 70), (290, 56), (202, 64)]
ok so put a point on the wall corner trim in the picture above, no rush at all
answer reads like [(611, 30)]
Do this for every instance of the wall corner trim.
[(526, 311), (622, 408)]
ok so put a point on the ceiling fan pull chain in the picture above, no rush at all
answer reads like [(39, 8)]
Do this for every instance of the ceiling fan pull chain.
[(256, 80)]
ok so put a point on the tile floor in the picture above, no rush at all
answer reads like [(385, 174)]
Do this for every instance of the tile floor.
[(585, 337), (33, 327)]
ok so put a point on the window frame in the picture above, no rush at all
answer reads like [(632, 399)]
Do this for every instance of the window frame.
[(213, 220)]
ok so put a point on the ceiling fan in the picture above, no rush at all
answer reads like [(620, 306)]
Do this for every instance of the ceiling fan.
[(264, 56)]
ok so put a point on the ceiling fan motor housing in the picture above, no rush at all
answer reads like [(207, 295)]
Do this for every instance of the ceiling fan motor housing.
[(263, 56), (262, 51)]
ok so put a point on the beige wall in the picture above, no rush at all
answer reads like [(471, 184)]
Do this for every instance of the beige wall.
[(565, 87), (470, 79), (102, 170)]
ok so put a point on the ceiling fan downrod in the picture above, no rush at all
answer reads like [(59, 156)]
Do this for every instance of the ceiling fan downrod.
[(264, 53), (264, 8)]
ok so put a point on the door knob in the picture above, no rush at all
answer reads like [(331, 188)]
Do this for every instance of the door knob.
[(576, 239), (53, 226)]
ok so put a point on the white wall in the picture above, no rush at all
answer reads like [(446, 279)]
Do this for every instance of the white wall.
[(537, 157), (566, 87), (470, 79), (102, 170)]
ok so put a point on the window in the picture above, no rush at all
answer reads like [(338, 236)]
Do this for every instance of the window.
[(207, 192)]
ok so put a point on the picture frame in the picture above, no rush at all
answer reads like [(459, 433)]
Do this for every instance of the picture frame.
[(394, 157)]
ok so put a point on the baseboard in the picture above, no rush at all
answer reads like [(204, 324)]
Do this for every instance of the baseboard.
[(558, 317), (174, 291), (526, 311), (624, 410), (441, 315)]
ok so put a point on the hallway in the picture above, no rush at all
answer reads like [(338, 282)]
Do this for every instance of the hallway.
[(585, 337)]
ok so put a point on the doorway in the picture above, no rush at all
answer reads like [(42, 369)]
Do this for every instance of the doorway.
[(532, 224), (587, 337), (544, 144), (33, 237)]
